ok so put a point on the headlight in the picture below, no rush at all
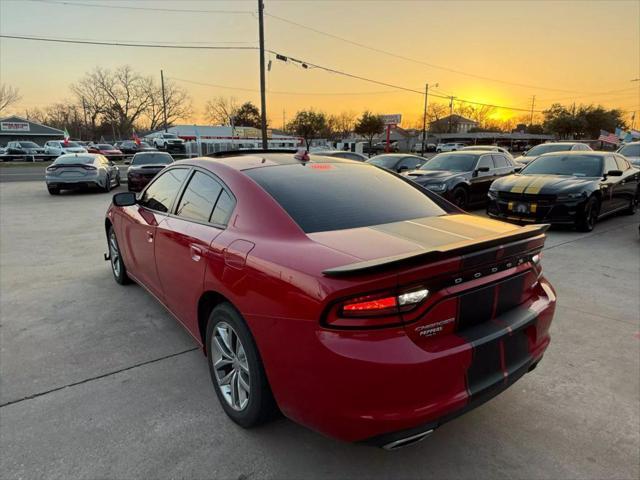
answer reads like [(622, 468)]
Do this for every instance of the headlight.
[(436, 187), (570, 196), (493, 194)]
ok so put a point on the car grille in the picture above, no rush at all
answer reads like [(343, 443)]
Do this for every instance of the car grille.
[(527, 197)]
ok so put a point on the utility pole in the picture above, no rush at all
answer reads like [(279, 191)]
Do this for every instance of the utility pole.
[(450, 111), (263, 93), (284, 123), (533, 102), (164, 101), (84, 111), (424, 120)]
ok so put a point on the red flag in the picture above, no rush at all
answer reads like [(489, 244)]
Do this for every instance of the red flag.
[(135, 138), (66, 137)]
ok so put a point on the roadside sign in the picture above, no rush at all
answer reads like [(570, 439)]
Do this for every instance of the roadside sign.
[(14, 126), (393, 119)]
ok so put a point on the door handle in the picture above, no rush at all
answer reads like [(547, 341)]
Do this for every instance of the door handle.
[(149, 236), (196, 252)]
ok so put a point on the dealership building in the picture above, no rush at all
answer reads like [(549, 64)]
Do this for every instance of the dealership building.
[(14, 128)]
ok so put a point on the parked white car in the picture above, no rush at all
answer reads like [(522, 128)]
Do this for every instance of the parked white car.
[(449, 147), (58, 147), (631, 150), (488, 148), (165, 141)]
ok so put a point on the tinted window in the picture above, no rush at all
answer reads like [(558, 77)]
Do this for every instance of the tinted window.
[(151, 159), (485, 161), (199, 198), (384, 161), (348, 156), (567, 164), (161, 193), (547, 148), (500, 161), (223, 209), (324, 197), (455, 162), (29, 145), (631, 150), (73, 159)]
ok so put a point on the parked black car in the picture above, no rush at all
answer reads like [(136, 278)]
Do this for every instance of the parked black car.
[(129, 147), (575, 188), (343, 154), (144, 166), (463, 177), (30, 150), (397, 162)]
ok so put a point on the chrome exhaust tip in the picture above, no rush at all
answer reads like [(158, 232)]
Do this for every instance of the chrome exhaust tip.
[(405, 442)]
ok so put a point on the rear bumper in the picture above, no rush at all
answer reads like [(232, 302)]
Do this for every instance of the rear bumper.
[(377, 386)]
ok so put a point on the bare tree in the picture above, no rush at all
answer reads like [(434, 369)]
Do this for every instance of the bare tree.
[(221, 110), (343, 123), (8, 96), (478, 113), (178, 104)]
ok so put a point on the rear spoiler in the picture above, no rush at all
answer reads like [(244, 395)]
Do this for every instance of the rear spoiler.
[(448, 250)]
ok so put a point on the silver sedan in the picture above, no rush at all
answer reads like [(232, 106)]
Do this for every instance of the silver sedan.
[(83, 170)]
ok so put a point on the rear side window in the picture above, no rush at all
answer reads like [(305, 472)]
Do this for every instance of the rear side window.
[(485, 161), (325, 197), (223, 209), (622, 163), (199, 198), (500, 161), (162, 192)]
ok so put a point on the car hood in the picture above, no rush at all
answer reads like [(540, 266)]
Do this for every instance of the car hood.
[(523, 159), (542, 184), (400, 238), (425, 176)]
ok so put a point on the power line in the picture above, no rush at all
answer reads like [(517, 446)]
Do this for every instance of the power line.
[(125, 44), (414, 60), (152, 9)]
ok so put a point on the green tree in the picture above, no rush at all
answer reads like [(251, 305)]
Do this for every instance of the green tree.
[(369, 125), (598, 118), (248, 115), (563, 122), (308, 124), (581, 122)]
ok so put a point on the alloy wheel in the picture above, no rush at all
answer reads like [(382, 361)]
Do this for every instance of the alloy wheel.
[(230, 366), (114, 253)]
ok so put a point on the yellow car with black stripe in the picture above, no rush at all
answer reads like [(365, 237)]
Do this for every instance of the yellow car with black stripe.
[(576, 188)]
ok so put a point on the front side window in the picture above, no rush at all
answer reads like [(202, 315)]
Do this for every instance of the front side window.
[(500, 161), (485, 161), (161, 193), (199, 198)]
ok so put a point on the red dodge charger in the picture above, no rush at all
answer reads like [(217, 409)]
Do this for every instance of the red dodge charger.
[(351, 299)]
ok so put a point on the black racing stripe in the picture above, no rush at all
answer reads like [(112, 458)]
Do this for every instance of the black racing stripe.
[(516, 350), (510, 294), (485, 372), (475, 307), (480, 258)]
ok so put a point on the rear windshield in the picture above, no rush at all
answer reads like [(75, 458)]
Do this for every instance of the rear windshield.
[(152, 159), (73, 159), (336, 196), (104, 146), (563, 164), (29, 145)]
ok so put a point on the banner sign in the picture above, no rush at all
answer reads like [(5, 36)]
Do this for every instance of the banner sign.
[(14, 126), (394, 119)]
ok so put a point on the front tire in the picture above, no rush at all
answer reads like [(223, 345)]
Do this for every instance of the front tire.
[(460, 197), (53, 190), (633, 204), (117, 264), (107, 184), (236, 369), (589, 216)]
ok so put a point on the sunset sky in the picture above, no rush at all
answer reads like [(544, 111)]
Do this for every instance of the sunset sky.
[(582, 51)]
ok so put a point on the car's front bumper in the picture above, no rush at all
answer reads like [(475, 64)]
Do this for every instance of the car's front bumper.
[(555, 212), (377, 386)]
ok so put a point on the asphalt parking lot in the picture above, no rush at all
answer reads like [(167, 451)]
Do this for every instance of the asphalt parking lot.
[(99, 381)]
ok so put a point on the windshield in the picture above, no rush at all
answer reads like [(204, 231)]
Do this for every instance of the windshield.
[(152, 159), (70, 144), (104, 146), (326, 197), (456, 162), (384, 161), (630, 150), (73, 159), (547, 148), (169, 135), (29, 145), (572, 165)]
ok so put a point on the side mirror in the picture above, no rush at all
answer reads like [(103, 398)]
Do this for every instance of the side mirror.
[(127, 162), (124, 199), (517, 169), (402, 169), (480, 169), (614, 173)]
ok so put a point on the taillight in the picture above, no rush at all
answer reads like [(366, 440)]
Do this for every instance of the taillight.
[(51, 168), (89, 167), (375, 310)]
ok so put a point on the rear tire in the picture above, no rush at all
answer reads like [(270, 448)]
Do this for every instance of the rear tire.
[(107, 184), (117, 264), (460, 197), (236, 369), (53, 190), (589, 216)]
